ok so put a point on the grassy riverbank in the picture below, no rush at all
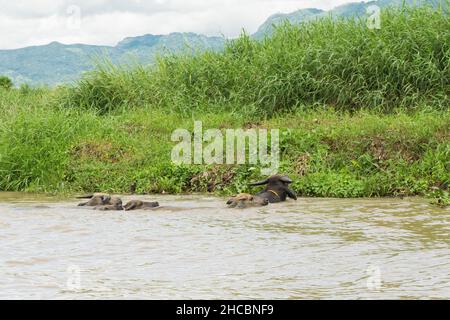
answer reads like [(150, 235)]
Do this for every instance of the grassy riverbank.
[(328, 153), (361, 112)]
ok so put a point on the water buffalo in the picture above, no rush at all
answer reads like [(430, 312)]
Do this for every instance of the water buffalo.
[(138, 205), (245, 200), (277, 189), (99, 199), (114, 204)]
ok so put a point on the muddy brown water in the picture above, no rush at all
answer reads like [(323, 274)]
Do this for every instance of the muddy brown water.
[(308, 249)]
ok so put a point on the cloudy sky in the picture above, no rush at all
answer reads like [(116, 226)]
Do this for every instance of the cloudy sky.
[(27, 22)]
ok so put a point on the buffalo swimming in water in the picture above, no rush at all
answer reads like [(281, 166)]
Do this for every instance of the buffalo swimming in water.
[(105, 202), (140, 205), (277, 190), (245, 200)]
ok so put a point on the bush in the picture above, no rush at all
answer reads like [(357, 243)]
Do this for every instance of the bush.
[(25, 89), (5, 83)]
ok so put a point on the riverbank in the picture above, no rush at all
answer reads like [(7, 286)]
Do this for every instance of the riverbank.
[(361, 114), (327, 153)]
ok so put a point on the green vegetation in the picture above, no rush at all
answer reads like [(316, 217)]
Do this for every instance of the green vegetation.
[(340, 63), (362, 113), (328, 153), (441, 197), (5, 83)]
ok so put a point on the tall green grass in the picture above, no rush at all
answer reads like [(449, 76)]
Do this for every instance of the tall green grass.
[(340, 63)]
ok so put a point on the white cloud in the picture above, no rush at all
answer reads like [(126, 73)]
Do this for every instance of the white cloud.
[(105, 22)]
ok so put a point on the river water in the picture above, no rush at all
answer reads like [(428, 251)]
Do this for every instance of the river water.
[(198, 249)]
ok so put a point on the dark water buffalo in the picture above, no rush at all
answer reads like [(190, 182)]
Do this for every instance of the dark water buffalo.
[(277, 189), (115, 204), (140, 205), (104, 202), (99, 199)]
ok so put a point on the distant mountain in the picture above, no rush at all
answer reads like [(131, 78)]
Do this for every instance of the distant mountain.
[(295, 17), (57, 63), (49, 64), (146, 47), (349, 10)]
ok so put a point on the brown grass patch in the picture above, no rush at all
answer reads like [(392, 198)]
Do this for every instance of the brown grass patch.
[(214, 178)]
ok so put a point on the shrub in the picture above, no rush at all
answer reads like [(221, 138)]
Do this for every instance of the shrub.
[(5, 83)]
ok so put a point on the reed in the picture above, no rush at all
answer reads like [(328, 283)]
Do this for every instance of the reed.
[(340, 63)]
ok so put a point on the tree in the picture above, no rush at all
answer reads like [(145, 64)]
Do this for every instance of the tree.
[(5, 82)]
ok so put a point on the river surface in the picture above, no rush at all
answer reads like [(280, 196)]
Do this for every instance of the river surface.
[(198, 249)]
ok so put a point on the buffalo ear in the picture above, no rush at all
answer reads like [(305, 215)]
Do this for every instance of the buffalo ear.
[(260, 183), (291, 193), (286, 179)]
